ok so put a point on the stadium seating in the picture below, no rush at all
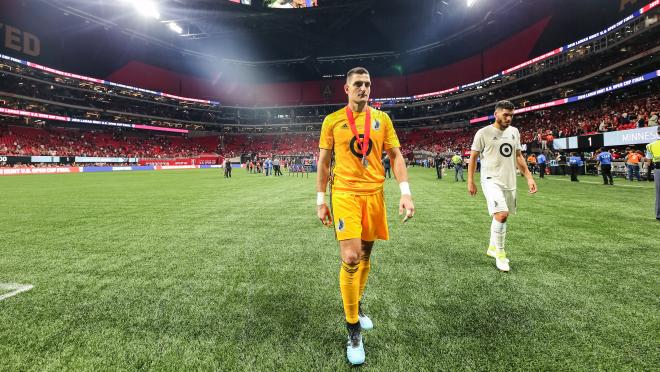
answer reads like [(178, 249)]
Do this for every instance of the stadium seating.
[(616, 112), (22, 140)]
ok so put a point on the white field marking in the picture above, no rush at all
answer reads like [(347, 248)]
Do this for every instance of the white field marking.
[(14, 289), (600, 183)]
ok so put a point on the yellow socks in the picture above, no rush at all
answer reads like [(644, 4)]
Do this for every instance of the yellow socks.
[(350, 285), (363, 271)]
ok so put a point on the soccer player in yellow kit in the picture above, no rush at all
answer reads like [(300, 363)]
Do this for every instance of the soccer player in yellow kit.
[(357, 135)]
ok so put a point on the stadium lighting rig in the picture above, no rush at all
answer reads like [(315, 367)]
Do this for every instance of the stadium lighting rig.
[(470, 3), (146, 8), (175, 27)]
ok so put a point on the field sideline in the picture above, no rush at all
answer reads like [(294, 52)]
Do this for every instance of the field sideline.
[(183, 270)]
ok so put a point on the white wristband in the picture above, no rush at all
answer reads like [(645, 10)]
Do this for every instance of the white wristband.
[(405, 188), (320, 198)]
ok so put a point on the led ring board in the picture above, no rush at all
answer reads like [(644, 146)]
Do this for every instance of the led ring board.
[(290, 4)]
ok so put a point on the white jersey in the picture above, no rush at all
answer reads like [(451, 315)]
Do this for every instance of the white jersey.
[(497, 150)]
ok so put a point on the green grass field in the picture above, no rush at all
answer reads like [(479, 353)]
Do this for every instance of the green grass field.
[(185, 270)]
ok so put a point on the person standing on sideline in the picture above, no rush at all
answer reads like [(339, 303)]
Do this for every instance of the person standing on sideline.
[(357, 135), (276, 167), (227, 166), (653, 149), (387, 164), (648, 160), (267, 165), (604, 159), (457, 160), (574, 163), (561, 161), (531, 163), (632, 163), (499, 147), (542, 163), (439, 162)]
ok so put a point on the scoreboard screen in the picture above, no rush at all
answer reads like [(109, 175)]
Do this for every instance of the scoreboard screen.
[(590, 141)]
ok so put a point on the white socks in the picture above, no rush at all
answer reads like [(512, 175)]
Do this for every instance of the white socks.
[(497, 234)]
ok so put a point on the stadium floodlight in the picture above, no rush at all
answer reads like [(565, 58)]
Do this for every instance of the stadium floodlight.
[(146, 8), (471, 2), (174, 27)]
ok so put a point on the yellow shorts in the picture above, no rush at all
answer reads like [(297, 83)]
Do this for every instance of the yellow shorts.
[(359, 216)]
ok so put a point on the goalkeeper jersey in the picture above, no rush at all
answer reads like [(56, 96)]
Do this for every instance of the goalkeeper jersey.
[(349, 174)]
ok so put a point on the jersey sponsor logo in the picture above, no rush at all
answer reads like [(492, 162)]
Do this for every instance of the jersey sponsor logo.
[(341, 225), (506, 150), (375, 124), (356, 149)]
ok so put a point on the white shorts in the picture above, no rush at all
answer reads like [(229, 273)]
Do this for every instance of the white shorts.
[(499, 200)]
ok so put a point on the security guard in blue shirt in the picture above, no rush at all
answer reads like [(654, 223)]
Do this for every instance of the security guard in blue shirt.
[(542, 161), (574, 161), (604, 159)]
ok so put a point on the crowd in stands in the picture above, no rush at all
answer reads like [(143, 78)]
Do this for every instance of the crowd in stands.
[(54, 141), (614, 112)]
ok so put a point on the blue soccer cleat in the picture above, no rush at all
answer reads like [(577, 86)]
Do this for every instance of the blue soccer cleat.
[(355, 349), (354, 345)]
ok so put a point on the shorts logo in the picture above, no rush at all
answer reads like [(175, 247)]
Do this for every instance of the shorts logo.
[(341, 225), (375, 125), (506, 150)]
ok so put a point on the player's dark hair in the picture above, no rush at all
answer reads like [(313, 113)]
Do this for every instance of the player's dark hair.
[(356, 71), (504, 105)]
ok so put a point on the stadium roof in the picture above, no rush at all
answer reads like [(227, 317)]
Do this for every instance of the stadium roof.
[(390, 37)]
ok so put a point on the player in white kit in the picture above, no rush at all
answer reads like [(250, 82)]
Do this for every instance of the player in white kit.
[(498, 146)]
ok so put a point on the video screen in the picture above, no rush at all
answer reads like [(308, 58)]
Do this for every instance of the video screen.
[(290, 4), (244, 2)]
